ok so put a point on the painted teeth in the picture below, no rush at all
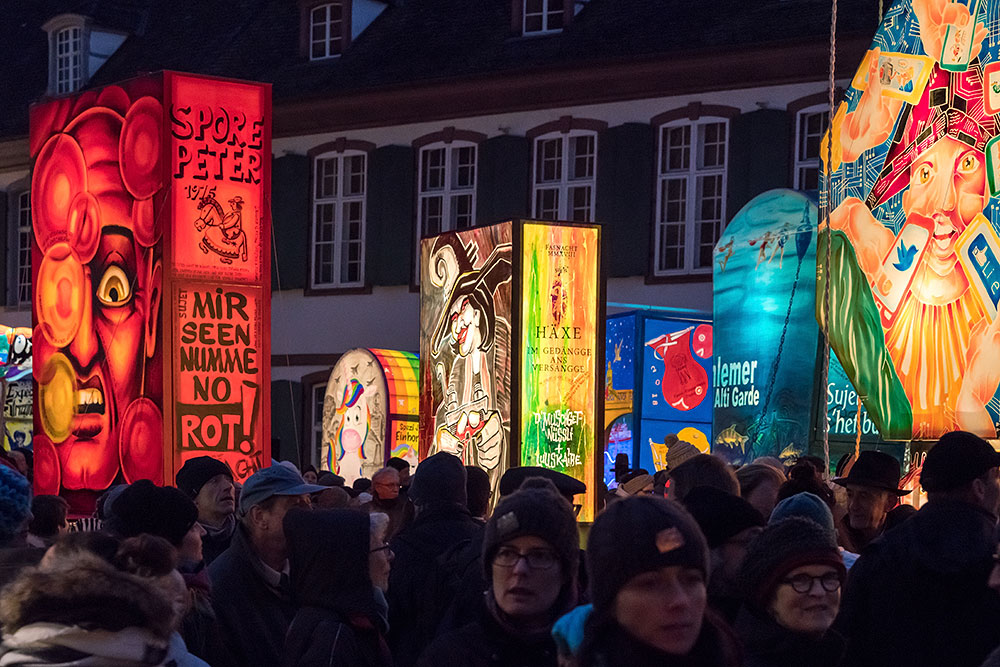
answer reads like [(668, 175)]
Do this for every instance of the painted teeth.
[(90, 399)]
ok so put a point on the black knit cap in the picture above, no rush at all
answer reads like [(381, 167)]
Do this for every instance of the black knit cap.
[(196, 473), (779, 549), (538, 509), (636, 535), (439, 479), (146, 508), (720, 515)]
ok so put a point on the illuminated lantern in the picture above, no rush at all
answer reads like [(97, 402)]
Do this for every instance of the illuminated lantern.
[(669, 359), (370, 412), (914, 264), (128, 182), (511, 326)]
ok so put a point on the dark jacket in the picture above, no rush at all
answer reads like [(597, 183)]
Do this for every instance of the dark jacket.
[(489, 641), (415, 583), (216, 540), (15, 559), (340, 622), (611, 646), (253, 615), (768, 644), (918, 596), (200, 627), (399, 510)]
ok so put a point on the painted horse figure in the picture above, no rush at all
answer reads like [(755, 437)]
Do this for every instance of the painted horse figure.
[(223, 231)]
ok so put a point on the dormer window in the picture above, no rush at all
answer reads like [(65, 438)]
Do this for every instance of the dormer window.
[(327, 36), (69, 60), (77, 49), (543, 16)]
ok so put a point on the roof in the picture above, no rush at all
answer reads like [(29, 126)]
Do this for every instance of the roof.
[(411, 42)]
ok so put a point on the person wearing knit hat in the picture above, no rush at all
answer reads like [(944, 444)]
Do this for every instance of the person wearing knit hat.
[(209, 483), (810, 506), (729, 524), (648, 566), (441, 524), (15, 513), (791, 580), (165, 511), (530, 557), (701, 470)]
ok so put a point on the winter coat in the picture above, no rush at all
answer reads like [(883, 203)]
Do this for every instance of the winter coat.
[(341, 620), (768, 644), (415, 584), (489, 641), (88, 613), (200, 627), (917, 596), (253, 616), (611, 646)]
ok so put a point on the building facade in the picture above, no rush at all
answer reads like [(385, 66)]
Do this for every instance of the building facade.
[(394, 120)]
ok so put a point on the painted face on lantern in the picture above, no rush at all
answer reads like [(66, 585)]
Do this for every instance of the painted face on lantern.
[(947, 190), (465, 333), (97, 301)]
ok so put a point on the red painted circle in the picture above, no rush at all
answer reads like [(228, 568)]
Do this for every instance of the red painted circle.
[(140, 441)]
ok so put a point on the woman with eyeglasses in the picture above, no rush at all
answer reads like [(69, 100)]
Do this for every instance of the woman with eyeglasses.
[(792, 578), (339, 566), (531, 558)]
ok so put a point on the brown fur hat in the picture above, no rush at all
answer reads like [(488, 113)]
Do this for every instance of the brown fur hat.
[(86, 591)]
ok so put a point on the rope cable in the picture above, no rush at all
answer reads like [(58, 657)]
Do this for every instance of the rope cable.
[(826, 209)]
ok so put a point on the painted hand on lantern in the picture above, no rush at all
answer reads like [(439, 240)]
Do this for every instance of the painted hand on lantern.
[(490, 442), (935, 17), (981, 380), (98, 298), (872, 119)]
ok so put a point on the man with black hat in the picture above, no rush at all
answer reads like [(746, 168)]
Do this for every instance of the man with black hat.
[(918, 595), (252, 596), (872, 490), (209, 483)]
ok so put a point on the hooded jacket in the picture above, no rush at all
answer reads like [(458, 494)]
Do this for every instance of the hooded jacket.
[(340, 622), (917, 596), (88, 613)]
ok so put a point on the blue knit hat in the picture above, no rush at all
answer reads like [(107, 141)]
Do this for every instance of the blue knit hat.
[(15, 502), (806, 505)]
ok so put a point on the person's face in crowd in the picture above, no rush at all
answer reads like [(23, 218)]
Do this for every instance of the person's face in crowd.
[(990, 491), (267, 521), (663, 608), (386, 485), (813, 611), (216, 499), (764, 497), (379, 561), (529, 587), (732, 552), (190, 548), (309, 476), (867, 507)]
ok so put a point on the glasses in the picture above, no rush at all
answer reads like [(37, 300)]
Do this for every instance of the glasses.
[(537, 559), (384, 547), (803, 583)]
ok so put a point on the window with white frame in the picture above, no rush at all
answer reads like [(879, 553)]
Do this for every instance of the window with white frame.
[(810, 124), (447, 187), (69, 60), (23, 264), (690, 195), (542, 16), (326, 31), (338, 239), (564, 176)]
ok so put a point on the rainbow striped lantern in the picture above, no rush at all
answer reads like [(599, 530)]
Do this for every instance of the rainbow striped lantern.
[(370, 412)]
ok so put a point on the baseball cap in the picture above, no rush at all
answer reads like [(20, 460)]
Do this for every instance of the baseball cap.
[(276, 480), (958, 458)]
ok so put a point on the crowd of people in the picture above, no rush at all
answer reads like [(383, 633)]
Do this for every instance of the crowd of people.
[(698, 564)]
